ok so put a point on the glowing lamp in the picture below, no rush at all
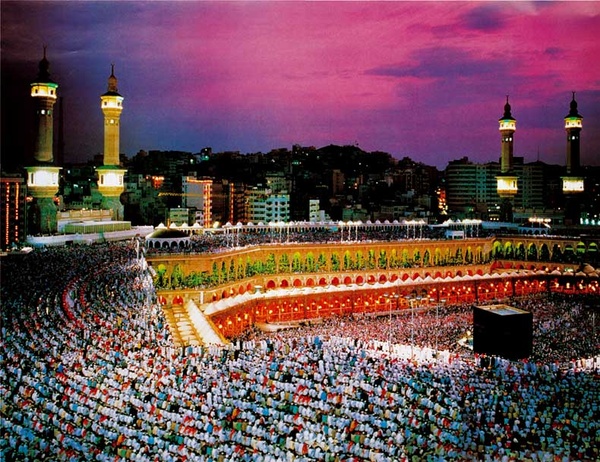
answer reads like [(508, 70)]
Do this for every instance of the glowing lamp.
[(112, 102), (508, 124), (43, 178), (111, 179), (44, 90), (572, 185), (573, 122), (507, 185)]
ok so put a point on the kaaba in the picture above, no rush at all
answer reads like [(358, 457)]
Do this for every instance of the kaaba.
[(502, 330)]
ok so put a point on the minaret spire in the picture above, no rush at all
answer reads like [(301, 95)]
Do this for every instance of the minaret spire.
[(508, 125), (573, 126), (112, 82), (112, 106)]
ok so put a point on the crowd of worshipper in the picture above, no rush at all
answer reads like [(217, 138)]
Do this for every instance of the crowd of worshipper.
[(218, 241), (564, 327), (89, 371)]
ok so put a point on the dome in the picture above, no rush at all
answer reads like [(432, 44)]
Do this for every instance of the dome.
[(163, 233), (507, 113)]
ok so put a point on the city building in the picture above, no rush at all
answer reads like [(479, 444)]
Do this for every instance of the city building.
[(227, 201), (264, 206), (277, 182), (197, 196), (179, 216), (13, 211), (315, 213), (471, 189)]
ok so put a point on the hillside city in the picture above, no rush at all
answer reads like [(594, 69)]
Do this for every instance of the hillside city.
[(43, 195), (349, 184)]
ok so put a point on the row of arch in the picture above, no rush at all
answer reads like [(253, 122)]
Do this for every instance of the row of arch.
[(545, 251), (210, 271), (236, 320), (225, 270)]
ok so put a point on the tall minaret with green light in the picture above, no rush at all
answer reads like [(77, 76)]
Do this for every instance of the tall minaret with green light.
[(43, 175), (507, 182), (572, 184), (110, 175)]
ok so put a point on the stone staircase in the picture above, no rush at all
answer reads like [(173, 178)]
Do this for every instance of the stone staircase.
[(182, 328)]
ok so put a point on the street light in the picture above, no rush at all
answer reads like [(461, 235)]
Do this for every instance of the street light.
[(437, 321), (411, 301), (389, 299)]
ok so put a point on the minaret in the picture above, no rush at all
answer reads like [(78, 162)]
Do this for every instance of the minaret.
[(110, 176), (571, 183), (43, 176), (507, 182)]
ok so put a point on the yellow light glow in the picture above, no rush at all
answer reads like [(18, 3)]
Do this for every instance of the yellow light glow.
[(42, 178), (508, 125), (47, 90), (507, 185), (112, 102), (538, 220), (111, 179), (572, 185), (573, 122)]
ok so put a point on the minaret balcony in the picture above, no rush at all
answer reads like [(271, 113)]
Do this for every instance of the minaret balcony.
[(43, 181), (44, 90), (572, 185), (506, 186), (508, 125)]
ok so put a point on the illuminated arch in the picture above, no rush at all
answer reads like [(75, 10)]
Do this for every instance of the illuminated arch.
[(437, 259), (426, 257), (497, 249), (519, 251), (508, 250), (532, 252)]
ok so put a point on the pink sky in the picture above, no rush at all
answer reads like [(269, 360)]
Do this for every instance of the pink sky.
[(426, 80)]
